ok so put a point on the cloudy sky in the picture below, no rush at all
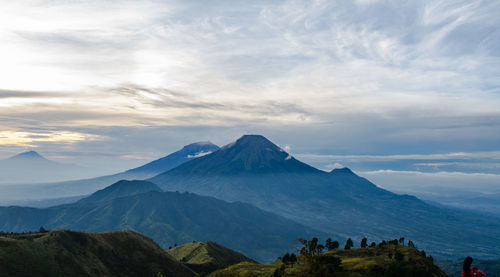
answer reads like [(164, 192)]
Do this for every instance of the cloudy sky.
[(389, 88)]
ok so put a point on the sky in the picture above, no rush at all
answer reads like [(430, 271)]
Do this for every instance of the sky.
[(404, 92)]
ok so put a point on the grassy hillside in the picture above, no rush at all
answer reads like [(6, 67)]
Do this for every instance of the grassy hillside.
[(378, 261), (206, 257), (70, 253)]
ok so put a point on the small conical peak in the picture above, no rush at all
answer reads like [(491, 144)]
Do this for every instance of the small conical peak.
[(28, 155), (253, 141), (342, 171)]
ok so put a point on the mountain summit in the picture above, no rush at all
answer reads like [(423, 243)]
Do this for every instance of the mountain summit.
[(32, 155), (121, 188), (249, 154), (188, 152), (31, 167)]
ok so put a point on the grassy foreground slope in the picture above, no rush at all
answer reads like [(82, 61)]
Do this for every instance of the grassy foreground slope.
[(70, 253), (206, 257), (378, 261)]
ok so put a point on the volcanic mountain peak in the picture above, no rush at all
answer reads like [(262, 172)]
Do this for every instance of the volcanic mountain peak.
[(248, 154), (201, 145), (254, 142), (342, 171), (28, 155)]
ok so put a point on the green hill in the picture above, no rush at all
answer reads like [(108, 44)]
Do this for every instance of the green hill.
[(70, 253), (378, 261), (206, 257)]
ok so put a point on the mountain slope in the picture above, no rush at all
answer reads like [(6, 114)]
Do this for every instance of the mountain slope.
[(29, 167), (61, 191), (121, 189), (256, 171), (169, 218), (70, 253), (206, 257)]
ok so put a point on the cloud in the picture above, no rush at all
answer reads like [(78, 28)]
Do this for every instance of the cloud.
[(30, 139), (199, 154)]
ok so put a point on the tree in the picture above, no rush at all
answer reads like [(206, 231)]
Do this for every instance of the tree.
[(42, 230), (402, 240), (348, 244), (320, 248), (293, 259), (431, 259), (373, 244), (312, 245), (411, 244), (364, 243), (328, 244), (286, 259), (331, 245)]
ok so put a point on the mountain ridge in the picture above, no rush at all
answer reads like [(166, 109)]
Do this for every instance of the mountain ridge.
[(169, 218)]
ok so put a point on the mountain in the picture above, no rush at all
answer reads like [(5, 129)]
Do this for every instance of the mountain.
[(121, 188), (28, 156), (70, 253), (188, 152), (254, 170), (30, 167), (65, 192), (206, 257), (167, 217), (378, 261)]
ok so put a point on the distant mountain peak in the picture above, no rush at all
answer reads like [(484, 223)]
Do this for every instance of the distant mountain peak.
[(188, 152), (28, 155), (121, 188), (204, 144), (342, 171)]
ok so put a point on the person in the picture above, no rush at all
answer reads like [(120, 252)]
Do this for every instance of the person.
[(469, 271)]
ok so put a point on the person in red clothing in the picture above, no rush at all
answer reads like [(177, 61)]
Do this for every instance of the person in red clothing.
[(469, 271)]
